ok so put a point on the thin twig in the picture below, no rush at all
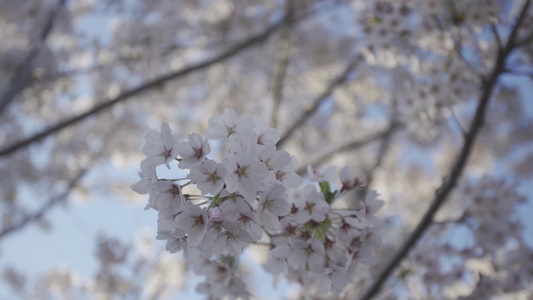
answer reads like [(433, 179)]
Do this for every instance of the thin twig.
[(354, 145), (106, 104), (382, 152), (383, 149), (279, 78), (339, 80), (459, 165), (519, 73), (496, 36), (454, 116), (457, 45), (284, 46), (24, 77), (53, 201), (45, 208)]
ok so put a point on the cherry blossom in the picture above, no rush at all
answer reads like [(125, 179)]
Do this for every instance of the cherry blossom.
[(160, 147), (311, 206), (209, 176), (272, 205), (245, 172), (193, 152), (227, 124), (194, 221), (246, 195)]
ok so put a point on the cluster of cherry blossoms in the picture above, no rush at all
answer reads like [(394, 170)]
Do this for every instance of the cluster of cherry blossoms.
[(253, 195), (496, 254)]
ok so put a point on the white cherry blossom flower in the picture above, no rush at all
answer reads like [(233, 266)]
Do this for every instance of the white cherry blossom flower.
[(148, 177), (242, 213), (245, 172), (209, 176), (223, 126), (280, 165), (371, 205), (305, 254), (311, 206), (193, 152), (145, 184), (316, 176), (194, 221), (169, 196), (277, 259), (287, 176), (271, 206), (348, 229), (224, 235), (266, 136), (348, 181), (166, 230), (160, 147)]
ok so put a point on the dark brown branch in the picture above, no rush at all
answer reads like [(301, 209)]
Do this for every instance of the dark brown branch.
[(24, 75), (354, 145), (45, 208), (104, 105), (459, 165), (339, 80)]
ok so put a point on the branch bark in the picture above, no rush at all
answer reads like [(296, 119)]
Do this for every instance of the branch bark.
[(280, 69), (386, 140), (279, 77), (354, 145), (459, 165), (106, 104), (339, 80), (52, 202), (23, 78)]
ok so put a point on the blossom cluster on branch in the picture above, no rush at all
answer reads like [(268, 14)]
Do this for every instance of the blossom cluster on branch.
[(333, 75), (495, 252), (252, 192)]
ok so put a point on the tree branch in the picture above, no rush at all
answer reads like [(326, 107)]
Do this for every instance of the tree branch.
[(45, 208), (526, 40), (284, 46), (383, 149), (496, 34), (349, 147), (106, 104), (457, 45), (23, 77), (339, 80), (279, 79), (459, 165), (519, 73)]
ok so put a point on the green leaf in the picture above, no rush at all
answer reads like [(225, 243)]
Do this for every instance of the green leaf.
[(329, 196)]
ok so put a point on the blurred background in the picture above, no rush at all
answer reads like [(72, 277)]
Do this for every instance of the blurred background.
[(387, 87)]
